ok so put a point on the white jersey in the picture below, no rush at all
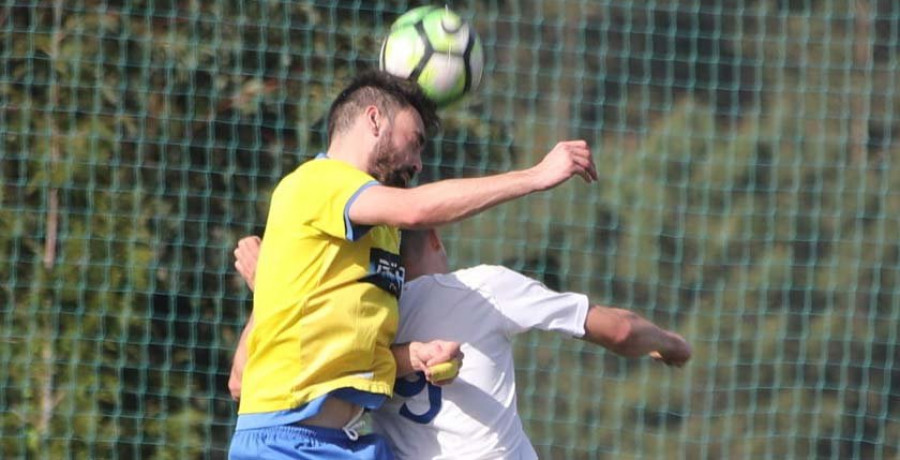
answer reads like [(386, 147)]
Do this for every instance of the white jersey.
[(474, 417)]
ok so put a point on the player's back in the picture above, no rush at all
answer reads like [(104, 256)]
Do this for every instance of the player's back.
[(475, 416)]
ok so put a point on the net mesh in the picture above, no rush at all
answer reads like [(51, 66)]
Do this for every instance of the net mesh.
[(748, 199)]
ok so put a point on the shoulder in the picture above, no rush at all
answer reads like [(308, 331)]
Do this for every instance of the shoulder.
[(468, 279), (492, 280), (480, 274), (324, 174), (486, 279), (491, 276), (448, 281), (323, 166)]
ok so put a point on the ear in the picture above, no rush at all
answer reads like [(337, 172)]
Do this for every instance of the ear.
[(373, 117)]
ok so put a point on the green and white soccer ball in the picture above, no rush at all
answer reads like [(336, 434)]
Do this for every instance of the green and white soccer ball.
[(437, 49)]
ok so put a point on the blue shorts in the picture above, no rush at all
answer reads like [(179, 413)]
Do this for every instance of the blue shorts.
[(305, 442)]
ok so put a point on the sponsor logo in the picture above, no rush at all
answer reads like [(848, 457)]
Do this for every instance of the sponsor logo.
[(385, 271)]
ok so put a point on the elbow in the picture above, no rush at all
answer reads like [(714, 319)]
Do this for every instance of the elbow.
[(413, 216)]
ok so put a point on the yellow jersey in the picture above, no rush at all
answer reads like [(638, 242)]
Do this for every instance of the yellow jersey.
[(325, 302)]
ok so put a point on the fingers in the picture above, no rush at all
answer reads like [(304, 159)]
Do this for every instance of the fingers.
[(443, 351), (247, 249), (439, 357), (246, 256), (592, 169), (584, 176), (668, 361), (249, 246), (586, 162), (580, 154), (437, 351), (578, 143), (585, 167), (567, 159)]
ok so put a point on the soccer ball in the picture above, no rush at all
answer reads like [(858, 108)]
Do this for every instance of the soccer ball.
[(437, 49)]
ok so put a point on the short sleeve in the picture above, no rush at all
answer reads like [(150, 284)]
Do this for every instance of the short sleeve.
[(327, 189), (526, 304)]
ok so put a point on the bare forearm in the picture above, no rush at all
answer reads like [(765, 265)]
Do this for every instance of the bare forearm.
[(402, 357), (452, 200), (626, 333), (240, 360), (439, 203)]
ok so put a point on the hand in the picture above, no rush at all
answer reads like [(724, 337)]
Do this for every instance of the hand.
[(567, 159), (234, 387), (425, 355), (676, 354), (246, 255)]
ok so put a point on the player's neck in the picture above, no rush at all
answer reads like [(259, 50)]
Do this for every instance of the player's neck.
[(348, 150)]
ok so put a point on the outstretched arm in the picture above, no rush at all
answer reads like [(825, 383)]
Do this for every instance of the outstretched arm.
[(628, 334), (451, 200)]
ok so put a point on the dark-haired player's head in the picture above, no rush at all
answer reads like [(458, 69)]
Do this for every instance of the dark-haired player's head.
[(397, 112), (422, 253)]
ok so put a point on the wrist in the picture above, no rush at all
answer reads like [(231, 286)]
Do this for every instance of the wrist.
[(530, 179), (406, 356)]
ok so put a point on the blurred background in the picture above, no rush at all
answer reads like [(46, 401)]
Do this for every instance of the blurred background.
[(748, 199)]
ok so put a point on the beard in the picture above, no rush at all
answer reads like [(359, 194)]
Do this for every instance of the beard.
[(386, 167)]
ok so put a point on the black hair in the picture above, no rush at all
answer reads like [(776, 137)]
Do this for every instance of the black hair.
[(385, 91), (413, 243)]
